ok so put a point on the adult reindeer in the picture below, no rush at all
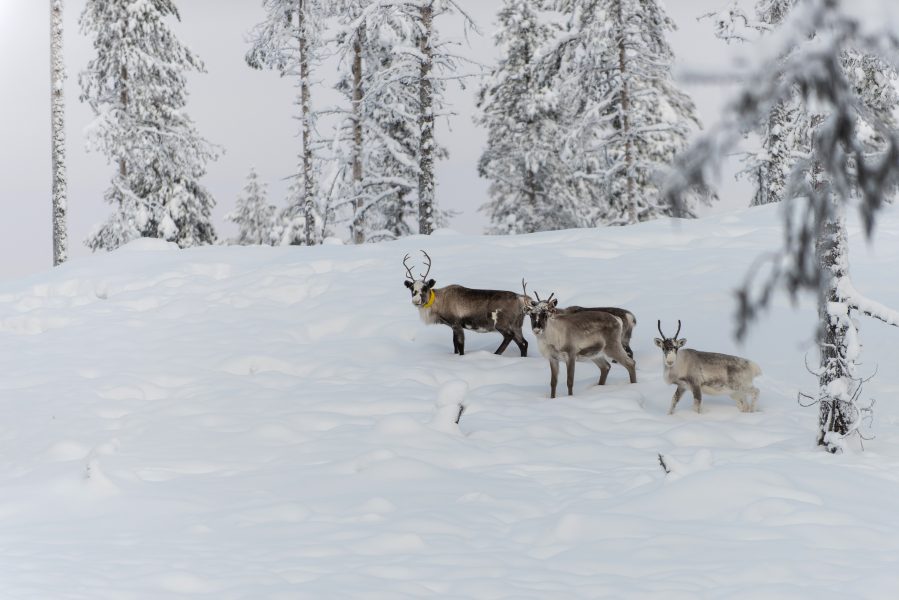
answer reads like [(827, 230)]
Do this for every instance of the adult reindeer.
[(461, 308), (707, 372), (583, 335)]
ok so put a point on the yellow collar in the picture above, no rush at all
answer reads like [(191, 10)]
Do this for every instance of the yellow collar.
[(430, 301)]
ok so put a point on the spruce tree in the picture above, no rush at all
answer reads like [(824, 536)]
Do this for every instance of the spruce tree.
[(527, 173), (253, 215), (628, 118), (136, 86)]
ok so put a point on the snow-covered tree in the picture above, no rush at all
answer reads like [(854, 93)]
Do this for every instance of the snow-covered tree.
[(842, 167), (288, 40), (787, 134), (58, 134), (253, 215), (136, 86), (528, 174), (394, 71), (628, 117)]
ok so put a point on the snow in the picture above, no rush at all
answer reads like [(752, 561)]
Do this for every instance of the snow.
[(258, 422)]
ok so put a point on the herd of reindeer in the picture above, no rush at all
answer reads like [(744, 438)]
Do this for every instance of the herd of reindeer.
[(578, 333)]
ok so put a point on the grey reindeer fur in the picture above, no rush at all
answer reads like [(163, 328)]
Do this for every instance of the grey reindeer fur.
[(579, 335), (461, 308), (628, 320), (707, 373)]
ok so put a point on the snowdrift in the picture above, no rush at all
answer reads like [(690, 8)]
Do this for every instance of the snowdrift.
[(277, 423)]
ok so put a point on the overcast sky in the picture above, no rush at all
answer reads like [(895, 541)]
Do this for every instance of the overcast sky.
[(246, 112)]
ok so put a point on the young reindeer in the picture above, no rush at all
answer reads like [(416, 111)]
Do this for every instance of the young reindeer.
[(707, 372), (461, 308), (580, 335)]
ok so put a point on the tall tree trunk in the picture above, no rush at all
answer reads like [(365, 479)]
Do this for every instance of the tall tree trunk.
[(359, 218), (58, 134), (625, 116), (306, 119), (426, 123), (837, 410)]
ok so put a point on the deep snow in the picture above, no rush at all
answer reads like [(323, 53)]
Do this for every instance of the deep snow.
[(277, 423)]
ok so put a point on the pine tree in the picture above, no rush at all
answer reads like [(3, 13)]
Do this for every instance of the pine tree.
[(136, 86), (853, 157), (628, 117), (288, 41), (527, 173), (253, 214), (58, 134)]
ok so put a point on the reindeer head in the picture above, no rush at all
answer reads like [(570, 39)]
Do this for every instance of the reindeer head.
[(669, 345), (422, 289), (540, 310)]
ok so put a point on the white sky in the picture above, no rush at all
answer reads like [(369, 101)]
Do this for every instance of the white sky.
[(247, 112)]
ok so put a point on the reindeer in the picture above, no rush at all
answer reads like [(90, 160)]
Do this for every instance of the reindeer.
[(628, 320), (579, 335), (462, 308), (707, 372)]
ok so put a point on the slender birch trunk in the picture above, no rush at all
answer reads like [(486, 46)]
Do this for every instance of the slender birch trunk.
[(426, 123), (306, 119), (625, 117), (358, 220), (58, 134)]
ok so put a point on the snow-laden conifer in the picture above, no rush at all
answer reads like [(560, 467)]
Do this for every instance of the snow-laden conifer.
[(253, 214), (288, 40), (136, 86), (628, 117), (58, 134), (787, 134), (852, 159), (529, 176)]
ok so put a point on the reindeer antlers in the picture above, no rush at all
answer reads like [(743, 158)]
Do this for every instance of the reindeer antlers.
[(524, 286), (408, 270), (666, 337), (428, 261)]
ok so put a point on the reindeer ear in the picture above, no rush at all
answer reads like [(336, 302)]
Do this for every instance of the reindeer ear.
[(681, 342), (431, 283), (554, 302), (408, 284), (659, 342)]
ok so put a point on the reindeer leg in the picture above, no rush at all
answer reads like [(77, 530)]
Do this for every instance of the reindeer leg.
[(507, 339), (677, 396), (569, 364), (459, 340), (604, 368), (754, 394), (553, 376), (697, 398), (520, 341), (619, 353)]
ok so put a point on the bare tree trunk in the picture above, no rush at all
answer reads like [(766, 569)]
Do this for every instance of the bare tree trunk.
[(58, 134), (359, 218), (837, 410), (426, 123), (625, 118), (306, 119)]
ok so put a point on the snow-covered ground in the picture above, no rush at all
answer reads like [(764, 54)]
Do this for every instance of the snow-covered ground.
[(276, 423)]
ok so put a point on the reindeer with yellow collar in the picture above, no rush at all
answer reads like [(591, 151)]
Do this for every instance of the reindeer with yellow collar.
[(461, 308)]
